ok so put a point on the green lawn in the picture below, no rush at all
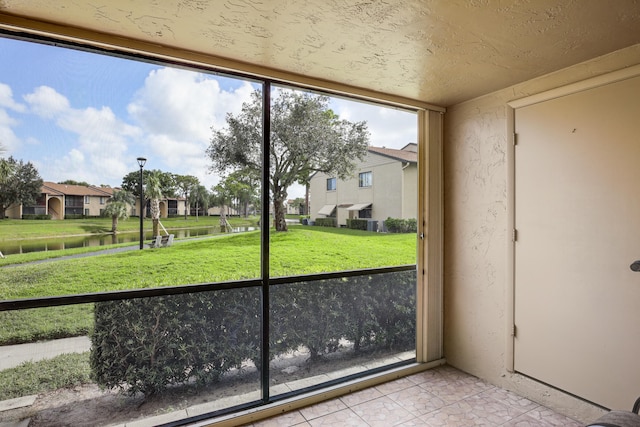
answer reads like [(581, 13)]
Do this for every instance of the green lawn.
[(302, 250), (64, 371), (13, 229)]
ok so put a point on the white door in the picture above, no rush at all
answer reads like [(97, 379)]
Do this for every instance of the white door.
[(577, 301)]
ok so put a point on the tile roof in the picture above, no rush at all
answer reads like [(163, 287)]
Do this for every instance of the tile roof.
[(75, 190), (403, 155)]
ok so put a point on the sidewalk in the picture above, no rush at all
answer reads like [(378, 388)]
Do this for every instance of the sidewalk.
[(83, 255), (13, 355)]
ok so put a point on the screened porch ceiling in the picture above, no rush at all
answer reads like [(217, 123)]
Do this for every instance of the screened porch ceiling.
[(440, 52)]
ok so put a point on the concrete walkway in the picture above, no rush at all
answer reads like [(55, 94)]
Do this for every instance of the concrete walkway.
[(82, 255), (13, 355)]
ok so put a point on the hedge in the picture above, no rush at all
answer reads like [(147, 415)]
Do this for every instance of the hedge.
[(326, 222), (36, 216), (399, 225), (357, 224), (146, 345), (74, 216)]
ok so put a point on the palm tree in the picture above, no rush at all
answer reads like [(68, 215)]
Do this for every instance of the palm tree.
[(118, 208), (153, 191), (200, 198)]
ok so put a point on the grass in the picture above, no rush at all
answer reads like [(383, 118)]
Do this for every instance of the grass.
[(64, 371), (302, 250)]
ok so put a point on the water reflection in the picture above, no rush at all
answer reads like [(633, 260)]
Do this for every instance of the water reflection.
[(57, 244)]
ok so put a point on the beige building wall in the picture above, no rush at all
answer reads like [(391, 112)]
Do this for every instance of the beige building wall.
[(477, 238), (14, 212), (391, 185), (410, 191), (95, 206)]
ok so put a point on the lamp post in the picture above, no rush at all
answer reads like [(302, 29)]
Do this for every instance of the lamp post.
[(141, 162)]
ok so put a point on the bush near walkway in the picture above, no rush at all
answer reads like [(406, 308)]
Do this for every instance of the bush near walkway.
[(146, 345), (400, 225)]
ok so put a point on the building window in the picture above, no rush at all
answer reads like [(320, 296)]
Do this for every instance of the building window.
[(102, 200), (73, 201), (86, 200), (364, 213), (364, 179), (331, 184)]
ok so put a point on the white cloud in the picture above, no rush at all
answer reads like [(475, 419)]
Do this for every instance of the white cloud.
[(8, 139), (47, 102), (98, 152), (104, 140), (184, 105), (177, 109), (7, 101), (389, 127)]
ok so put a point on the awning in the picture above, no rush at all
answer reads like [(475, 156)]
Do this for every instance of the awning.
[(326, 210), (359, 206)]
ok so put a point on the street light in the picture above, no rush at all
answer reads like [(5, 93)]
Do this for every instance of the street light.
[(141, 162)]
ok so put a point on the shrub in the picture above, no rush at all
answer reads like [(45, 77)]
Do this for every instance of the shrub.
[(308, 314), (399, 225), (357, 224), (326, 222), (74, 216), (34, 216), (145, 345)]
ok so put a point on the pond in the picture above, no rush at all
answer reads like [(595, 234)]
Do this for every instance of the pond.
[(56, 244)]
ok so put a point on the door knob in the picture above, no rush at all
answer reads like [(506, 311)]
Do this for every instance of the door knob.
[(635, 265)]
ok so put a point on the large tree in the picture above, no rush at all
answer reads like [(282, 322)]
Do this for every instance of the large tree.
[(22, 184), (6, 168), (244, 189), (185, 185), (74, 182), (165, 180), (306, 136), (118, 207)]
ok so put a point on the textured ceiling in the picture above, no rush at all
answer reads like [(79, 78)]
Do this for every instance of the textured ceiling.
[(441, 51)]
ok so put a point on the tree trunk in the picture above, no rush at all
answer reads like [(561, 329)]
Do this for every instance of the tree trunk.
[(223, 219), (114, 224), (155, 216), (278, 214)]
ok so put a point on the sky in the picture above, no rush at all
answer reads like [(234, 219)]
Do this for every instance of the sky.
[(87, 117)]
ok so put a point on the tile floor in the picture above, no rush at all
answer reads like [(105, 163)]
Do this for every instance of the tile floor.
[(442, 396)]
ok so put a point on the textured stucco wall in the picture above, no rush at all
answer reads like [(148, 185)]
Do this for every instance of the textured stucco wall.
[(476, 236)]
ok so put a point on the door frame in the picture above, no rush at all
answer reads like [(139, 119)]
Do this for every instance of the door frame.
[(511, 109)]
